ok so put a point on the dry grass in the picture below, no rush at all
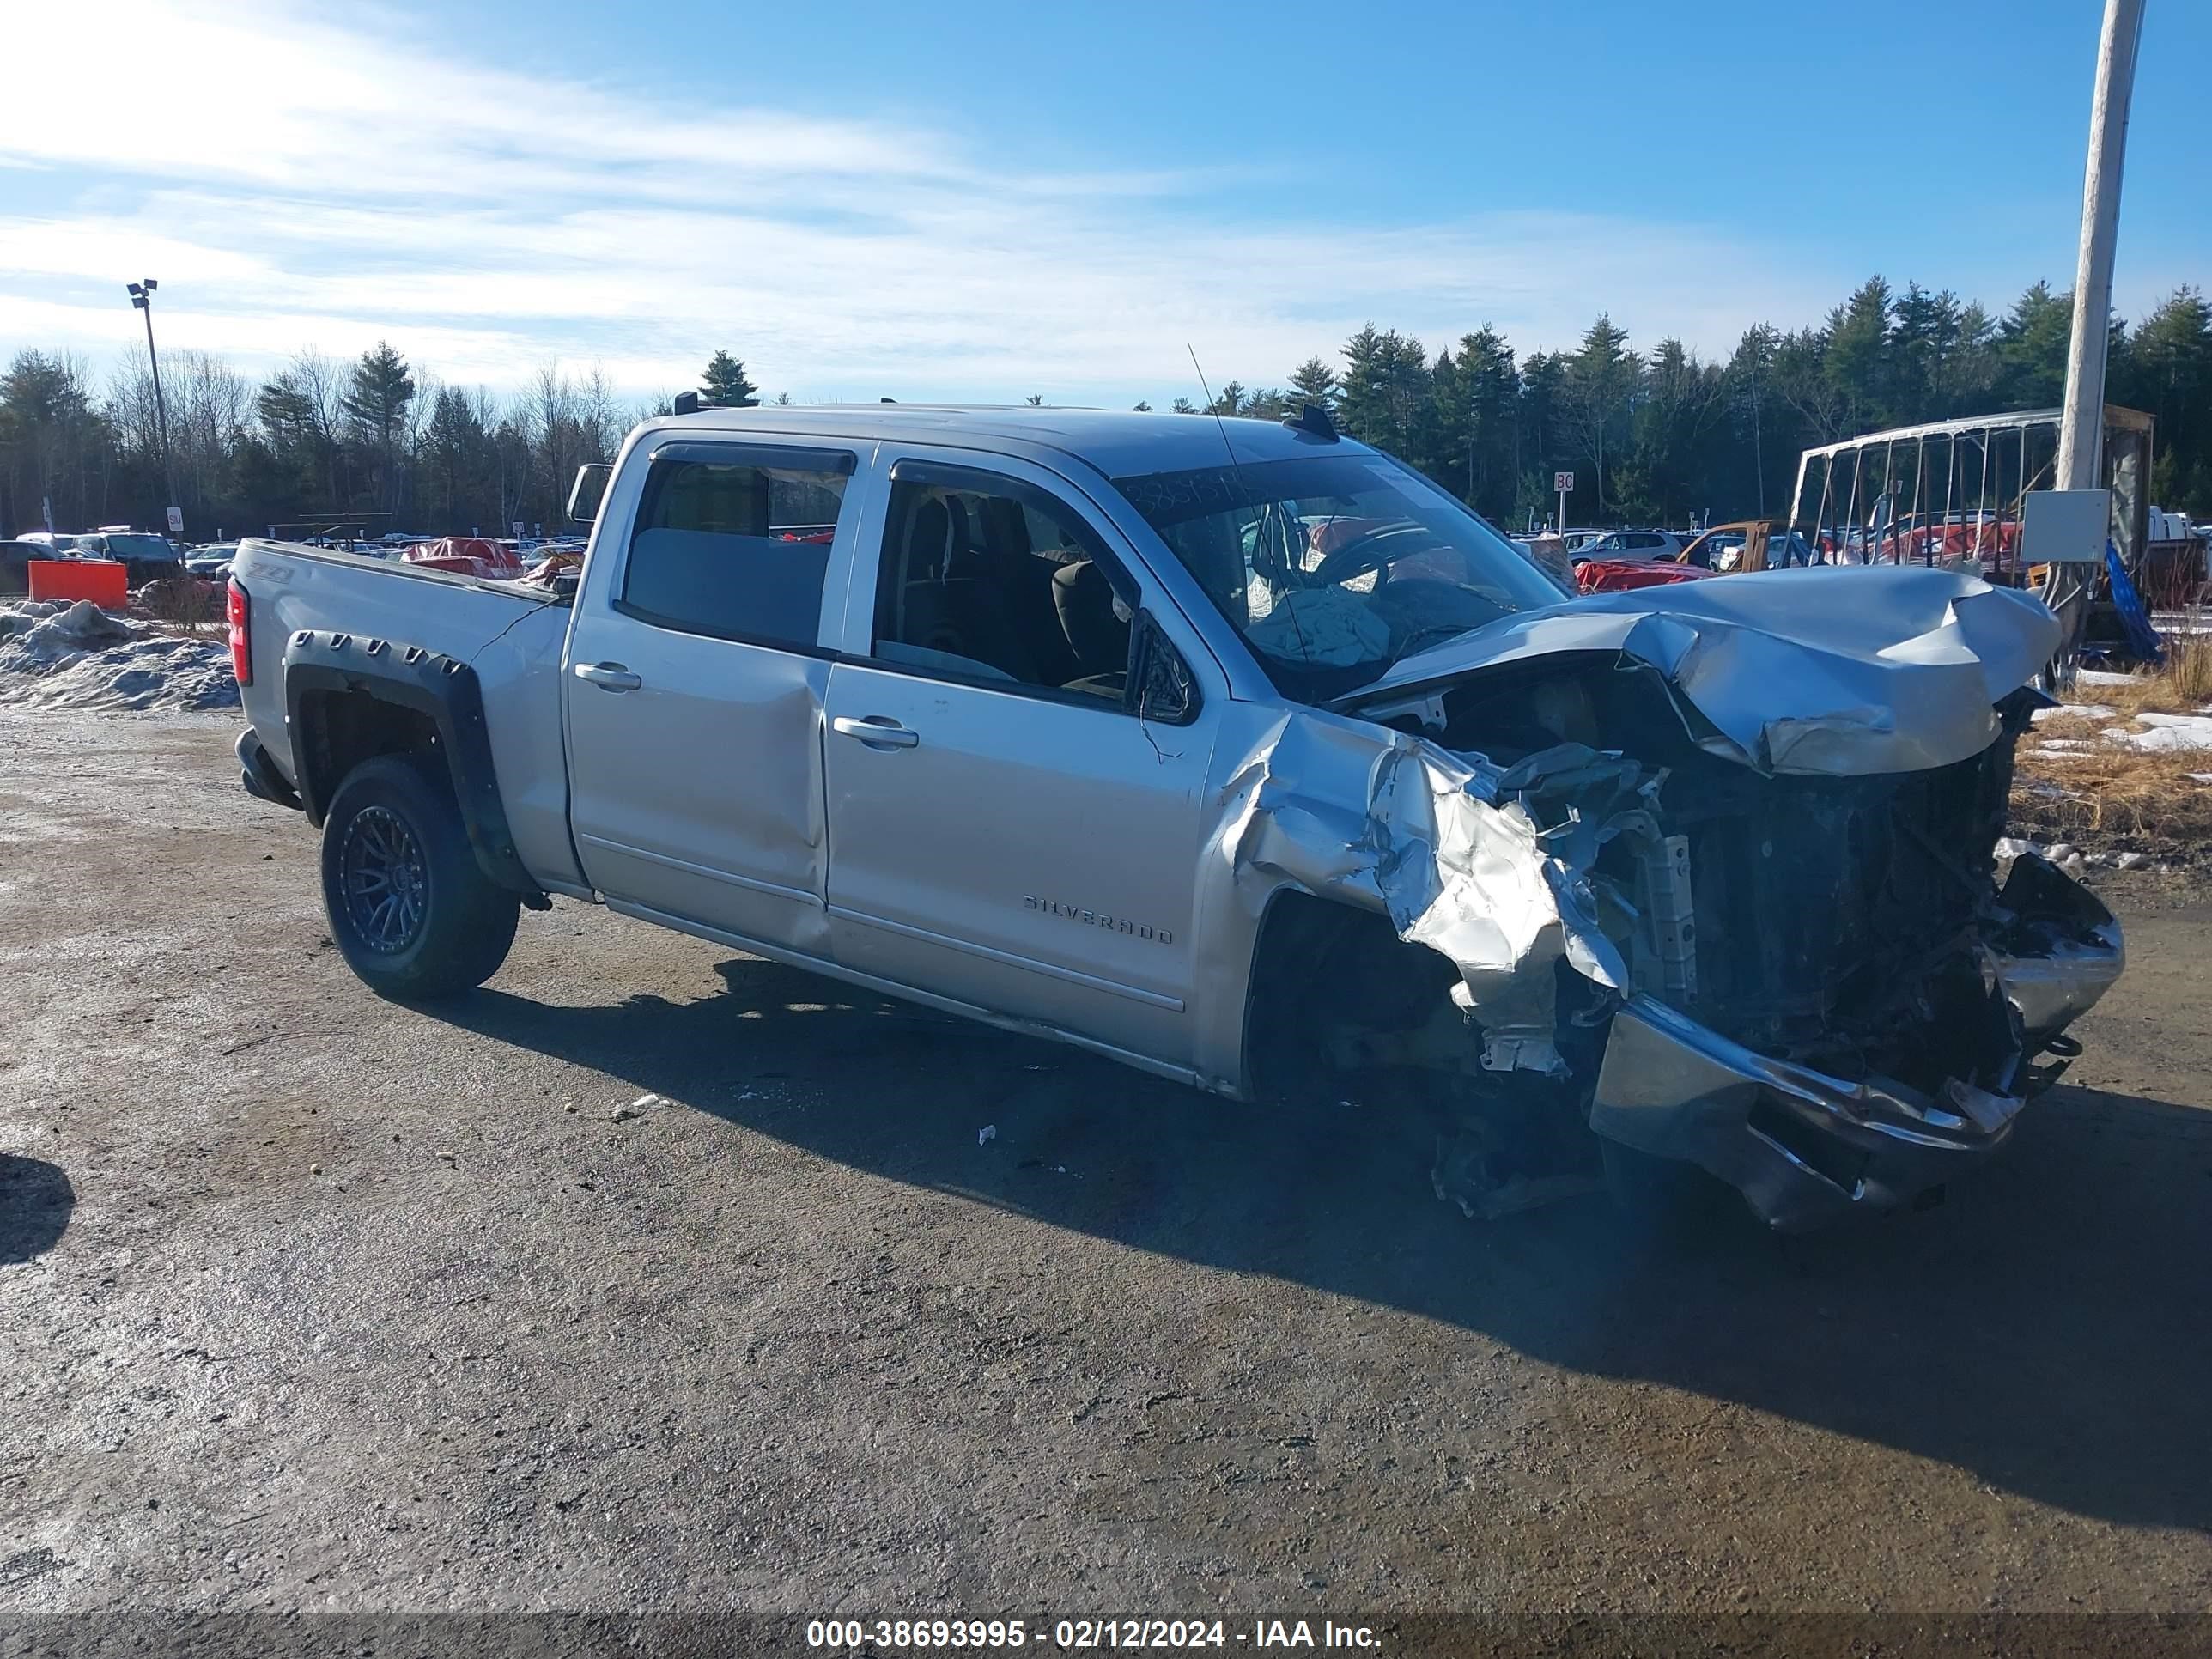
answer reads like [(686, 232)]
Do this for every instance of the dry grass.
[(2188, 672), (2136, 802), (2109, 794), (2184, 686)]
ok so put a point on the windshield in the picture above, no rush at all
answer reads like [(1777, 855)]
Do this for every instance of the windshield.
[(138, 547), (1333, 567)]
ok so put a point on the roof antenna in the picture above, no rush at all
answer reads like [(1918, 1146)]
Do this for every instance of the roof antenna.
[(1222, 427)]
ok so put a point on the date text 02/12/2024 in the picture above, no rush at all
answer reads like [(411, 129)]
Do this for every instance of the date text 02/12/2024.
[(1081, 1634)]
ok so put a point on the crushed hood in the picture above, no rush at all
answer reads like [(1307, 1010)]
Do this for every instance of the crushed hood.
[(1839, 671)]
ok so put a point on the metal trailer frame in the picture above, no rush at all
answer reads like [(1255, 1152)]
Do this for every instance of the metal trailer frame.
[(2126, 464), (2071, 591)]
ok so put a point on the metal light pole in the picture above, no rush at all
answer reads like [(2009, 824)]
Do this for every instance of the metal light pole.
[(142, 296)]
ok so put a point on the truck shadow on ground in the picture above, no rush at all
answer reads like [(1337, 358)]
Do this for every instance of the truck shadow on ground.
[(35, 1201), (2044, 1328)]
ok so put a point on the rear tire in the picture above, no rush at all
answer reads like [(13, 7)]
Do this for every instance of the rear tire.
[(410, 908)]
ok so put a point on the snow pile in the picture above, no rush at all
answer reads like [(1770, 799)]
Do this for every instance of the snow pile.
[(2168, 734), (2088, 711), (58, 654)]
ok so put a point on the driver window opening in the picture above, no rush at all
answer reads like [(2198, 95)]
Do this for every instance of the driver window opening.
[(1001, 585)]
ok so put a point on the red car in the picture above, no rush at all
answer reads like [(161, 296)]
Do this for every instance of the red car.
[(1619, 576), (469, 555)]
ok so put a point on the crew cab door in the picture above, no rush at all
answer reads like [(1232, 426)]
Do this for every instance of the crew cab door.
[(1006, 828), (696, 677)]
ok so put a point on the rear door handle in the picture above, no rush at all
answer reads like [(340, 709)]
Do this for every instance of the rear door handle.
[(608, 676), (876, 731)]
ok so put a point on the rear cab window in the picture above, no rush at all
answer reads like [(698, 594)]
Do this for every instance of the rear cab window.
[(732, 541)]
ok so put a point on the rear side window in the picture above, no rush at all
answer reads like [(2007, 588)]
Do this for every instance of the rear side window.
[(733, 541)]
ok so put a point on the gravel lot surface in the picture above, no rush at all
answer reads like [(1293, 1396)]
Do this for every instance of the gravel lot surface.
[(310, 1301)]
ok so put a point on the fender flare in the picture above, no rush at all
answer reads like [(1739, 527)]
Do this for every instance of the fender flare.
[(444, 690)]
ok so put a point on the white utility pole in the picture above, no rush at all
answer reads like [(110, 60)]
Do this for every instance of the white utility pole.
[(2081, 428)]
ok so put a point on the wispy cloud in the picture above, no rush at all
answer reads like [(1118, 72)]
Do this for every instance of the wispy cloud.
[(358, 182)]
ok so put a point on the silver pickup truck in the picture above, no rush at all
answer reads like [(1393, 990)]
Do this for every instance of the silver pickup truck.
[(1238, 752)]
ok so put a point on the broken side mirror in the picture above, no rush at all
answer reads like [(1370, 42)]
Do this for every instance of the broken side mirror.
[(1166, 690), (589, 490)]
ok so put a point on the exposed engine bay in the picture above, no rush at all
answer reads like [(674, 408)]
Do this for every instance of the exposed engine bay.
[(1708, 940)]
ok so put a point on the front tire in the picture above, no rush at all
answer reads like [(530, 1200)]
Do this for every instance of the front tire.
[(410, 908)]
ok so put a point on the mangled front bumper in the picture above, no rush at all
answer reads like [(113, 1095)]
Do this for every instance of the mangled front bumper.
[(1805, 1148)]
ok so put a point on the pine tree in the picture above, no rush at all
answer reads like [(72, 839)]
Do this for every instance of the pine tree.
[(1749, 378), (1315, 382), (724, 382), (1541, 448), (1601, 383), (2169, 372), (376, 403), (1489, 395), (2032, 345), (1387, 397), (1855, 360), (52, 442)]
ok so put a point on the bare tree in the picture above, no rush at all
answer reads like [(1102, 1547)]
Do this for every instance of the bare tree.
[(602, 422)]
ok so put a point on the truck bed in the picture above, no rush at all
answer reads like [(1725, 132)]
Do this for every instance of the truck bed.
[(512, 634)]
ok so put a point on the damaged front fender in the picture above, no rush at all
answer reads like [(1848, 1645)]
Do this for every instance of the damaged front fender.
[(1473, 878)]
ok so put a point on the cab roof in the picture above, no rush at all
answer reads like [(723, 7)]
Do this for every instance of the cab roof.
[(1120, 443)]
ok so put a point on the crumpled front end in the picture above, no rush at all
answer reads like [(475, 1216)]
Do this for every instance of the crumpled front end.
[(1805, 1147), (1778, 962)]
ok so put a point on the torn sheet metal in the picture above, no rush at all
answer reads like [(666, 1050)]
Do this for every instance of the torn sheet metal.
[(1455, 861), (2062, 951), (1841, 672), (1675, 1088)]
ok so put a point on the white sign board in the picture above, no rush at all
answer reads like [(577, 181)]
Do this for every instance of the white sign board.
[(176, 521), (2065, 526), (1563, 483), (517, 530)]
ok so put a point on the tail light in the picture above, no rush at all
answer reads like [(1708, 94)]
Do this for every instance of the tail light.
[(241, 635)]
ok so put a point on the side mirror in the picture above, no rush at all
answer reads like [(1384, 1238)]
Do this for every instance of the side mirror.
[(589, 490), (1166, 690)]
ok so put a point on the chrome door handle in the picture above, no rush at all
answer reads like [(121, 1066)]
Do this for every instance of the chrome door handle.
[(876, 731), (608, 676)]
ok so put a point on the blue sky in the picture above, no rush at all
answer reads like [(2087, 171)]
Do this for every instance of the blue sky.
[(984, 201)]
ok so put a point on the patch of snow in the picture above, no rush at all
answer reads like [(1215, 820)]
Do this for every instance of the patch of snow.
[(2088, 711), (56, 654), (2168, 734), (2102, 677)]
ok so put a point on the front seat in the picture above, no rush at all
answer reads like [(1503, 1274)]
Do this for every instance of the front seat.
[(1096, 635)]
